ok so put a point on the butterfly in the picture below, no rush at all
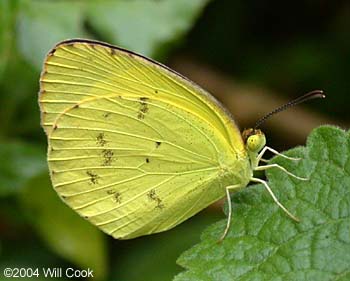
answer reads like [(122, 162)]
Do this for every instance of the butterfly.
[(136, 148)]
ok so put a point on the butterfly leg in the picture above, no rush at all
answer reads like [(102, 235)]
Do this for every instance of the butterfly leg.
[(228, 189), (274, 198), (267, 148), (265, 167)]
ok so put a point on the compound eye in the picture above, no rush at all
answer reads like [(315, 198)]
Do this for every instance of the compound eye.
[(256, 142)]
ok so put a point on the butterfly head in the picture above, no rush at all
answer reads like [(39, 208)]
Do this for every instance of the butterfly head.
[(254, 139)]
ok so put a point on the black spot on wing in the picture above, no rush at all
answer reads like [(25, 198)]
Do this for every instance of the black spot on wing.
[(100, 139), (153, 196), (106, 114), (93, 177), (158, 143), (143, 108), (117, 198), (108, 157)]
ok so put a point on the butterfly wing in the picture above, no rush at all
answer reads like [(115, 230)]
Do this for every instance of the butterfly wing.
[(133, 146)]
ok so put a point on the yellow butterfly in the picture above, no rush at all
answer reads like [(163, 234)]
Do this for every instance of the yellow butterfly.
[(136, 148)]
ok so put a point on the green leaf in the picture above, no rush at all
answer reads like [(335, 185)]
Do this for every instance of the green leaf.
[(67, 234), (20, 162), (144, 26), (264, 244)]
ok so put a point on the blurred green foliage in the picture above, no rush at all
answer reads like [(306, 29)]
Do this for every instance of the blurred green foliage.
[(289, 47)]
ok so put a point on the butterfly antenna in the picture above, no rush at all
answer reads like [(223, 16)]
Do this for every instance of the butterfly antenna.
[(309, 96)]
